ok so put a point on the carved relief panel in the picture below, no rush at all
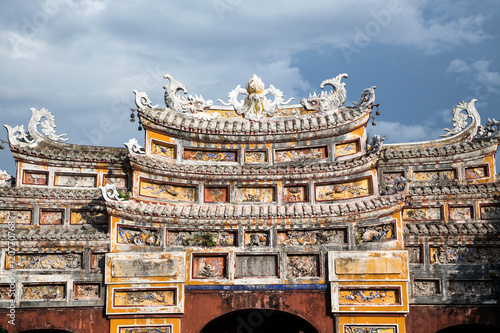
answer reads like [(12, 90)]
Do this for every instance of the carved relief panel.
[(174, 192), (138, 236), (209, 266), (75, 180), (312, 237), (257, 266), (464, 255), (422, 213), (345, 190), (15, 216), (295, 193), (302, 265), (35, 177), (87, 291), (376, 233), (369, 329), (119, 181), (261, 194), (463, 213), (202, 238), (428, 176), (210, 155), (144, 298), (370, 296), (476, 172), (82, 216), (490, 212), (423, 287), (51, 217), (216, 194), (300, 154), (347, 148), (146, 329), (163, 149), (43, 292), (256, 238), (255, 156), (471, 287), (46, 261)]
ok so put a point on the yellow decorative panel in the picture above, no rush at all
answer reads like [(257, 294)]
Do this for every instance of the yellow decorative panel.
[(347, 148), (145, 325), (166, 191), (163, 149), (427, 176), (259, 156), (300, 154), (369, 296), (11, 216), (210, 155), (255, 194), (346, 190), (476, 172), (380, 265), (144, 298)]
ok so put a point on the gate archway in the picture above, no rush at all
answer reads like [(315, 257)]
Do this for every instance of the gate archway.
[(258, 321), (467, 328)]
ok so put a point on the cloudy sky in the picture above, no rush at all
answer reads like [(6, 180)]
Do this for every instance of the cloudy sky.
[(81, 59)]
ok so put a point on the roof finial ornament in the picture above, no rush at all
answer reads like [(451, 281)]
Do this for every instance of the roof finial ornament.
[(460, 119), (330, 101), (6, 179), (194, 106), (492, 129), (142, 100), (256, 106), (19, 137), (134, 147)]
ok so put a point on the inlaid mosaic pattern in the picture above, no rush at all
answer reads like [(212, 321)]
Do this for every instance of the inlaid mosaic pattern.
[(118, 181), (426, 287), (167, 191), (256, 266), (301, 154), (257, 238), (295, 193), (369, 329), (369, 296), (139, 237), (45, 292), (255, 194), (213, 266), (164, 150), (490, 212), (146, 329), (461, 213), (376, 233), (347, 148), (51, 217), (427, 176), (210, 156), (15, 216), (35, 178), (423, 213), (200, 238), (71, 180), (47, 261), (144, 298), (216, 194), (311, 237), (88, 217), (345, 190), (476, 172), (259, 156), (87, 291), (302, 265)]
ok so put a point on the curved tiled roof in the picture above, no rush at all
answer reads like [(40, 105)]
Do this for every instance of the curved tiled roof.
[(451, 229), (36, 193), (273, 129)]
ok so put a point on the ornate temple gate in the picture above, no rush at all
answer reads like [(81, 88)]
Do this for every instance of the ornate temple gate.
[(254, 216)]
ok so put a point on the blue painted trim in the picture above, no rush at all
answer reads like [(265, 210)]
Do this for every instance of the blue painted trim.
[(262, 287)]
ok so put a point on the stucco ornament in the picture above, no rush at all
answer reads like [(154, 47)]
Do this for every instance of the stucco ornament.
[(134, 147), (327, 101), (367, 98), (6, 179), (142, 100), (19, 137), (109, 192), (255, 106), (460, 119), (375, 143), (193, 106), (491, 130)]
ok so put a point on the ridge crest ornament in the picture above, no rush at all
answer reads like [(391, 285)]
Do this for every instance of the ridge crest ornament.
[(256, 106), (460, 119), (325, 102), (19, 137)]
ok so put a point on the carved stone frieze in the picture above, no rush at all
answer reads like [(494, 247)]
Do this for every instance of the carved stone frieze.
[(376, 233), (312, 237), (12, 216), (199, 238), (87, 291), (44, 292), (471, 287), (426, 287), (256, 238), (139, 237), (300, 155), (48, 261), (302, 265), (464, 255), (144, 298)]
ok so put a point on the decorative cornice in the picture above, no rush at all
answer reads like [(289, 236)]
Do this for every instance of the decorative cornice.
[(490, 190), (233, 214), (36, 193), (56, 234), (158, 165), (452, 229)]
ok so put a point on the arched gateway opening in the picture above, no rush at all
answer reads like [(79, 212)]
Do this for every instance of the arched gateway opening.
[(258, 321)]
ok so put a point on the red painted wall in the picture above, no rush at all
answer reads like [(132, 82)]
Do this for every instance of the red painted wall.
[(203, 306), (76, 320)]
